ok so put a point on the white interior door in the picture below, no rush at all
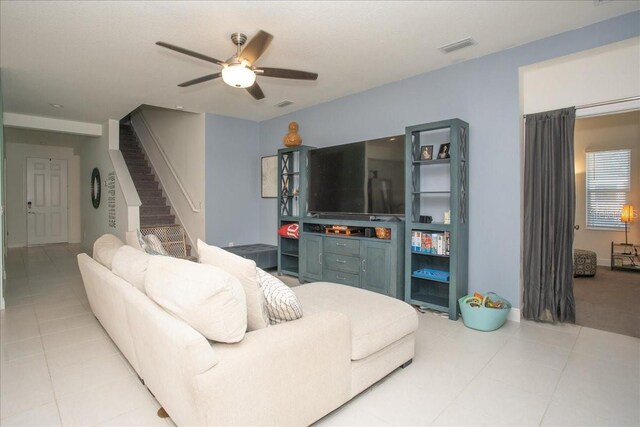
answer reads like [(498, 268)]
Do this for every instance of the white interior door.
[(46, 201)]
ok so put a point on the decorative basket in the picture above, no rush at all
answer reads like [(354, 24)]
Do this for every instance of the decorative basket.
[(383, 233), (484, 318)]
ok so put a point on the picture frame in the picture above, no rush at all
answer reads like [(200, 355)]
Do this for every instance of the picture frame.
[(444, 153), (426, 152), (269, 174)]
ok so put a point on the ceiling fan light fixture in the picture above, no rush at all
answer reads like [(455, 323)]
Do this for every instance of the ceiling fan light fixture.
[(238, 75)]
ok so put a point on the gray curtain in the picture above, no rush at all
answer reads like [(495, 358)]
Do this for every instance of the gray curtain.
[(549, 209)]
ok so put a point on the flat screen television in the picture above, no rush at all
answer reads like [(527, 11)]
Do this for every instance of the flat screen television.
[(364, 177)]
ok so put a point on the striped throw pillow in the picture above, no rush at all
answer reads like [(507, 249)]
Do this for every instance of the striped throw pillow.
[(151, 244), (282, 303)]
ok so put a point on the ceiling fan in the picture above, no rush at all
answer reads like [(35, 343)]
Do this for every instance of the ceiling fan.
[(239, 70)]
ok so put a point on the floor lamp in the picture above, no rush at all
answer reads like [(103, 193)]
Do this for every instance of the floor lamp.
[(627, 217)]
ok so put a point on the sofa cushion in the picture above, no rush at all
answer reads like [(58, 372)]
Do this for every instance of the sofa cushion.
[(104, 249), (131, 265), (282, 303), (245, 271), (376, 320), (208, 299)]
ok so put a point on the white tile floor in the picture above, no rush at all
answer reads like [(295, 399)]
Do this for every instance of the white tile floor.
[(58, 367)]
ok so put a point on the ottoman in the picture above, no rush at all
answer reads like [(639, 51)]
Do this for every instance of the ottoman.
[(585, 263), (265, 256)]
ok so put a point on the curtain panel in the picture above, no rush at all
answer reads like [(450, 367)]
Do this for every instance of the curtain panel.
[(549, 212)]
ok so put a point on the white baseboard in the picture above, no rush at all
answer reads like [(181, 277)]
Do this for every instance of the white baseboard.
[(2, 303), (514, 315), (16, 245)]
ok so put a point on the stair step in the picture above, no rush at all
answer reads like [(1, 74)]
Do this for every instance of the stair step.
[(152, 201), (130, 150), (142, 177), (140, 170), (155, 210), (133, 156), (148, 192), (147, 185), (135, 162), (157, 220)]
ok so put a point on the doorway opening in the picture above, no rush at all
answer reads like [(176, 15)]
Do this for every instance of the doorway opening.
[(607, 165)]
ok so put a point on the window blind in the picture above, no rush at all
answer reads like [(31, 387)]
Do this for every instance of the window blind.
[(608, 184)]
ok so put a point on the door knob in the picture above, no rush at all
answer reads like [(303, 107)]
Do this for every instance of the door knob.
[(577, 227)]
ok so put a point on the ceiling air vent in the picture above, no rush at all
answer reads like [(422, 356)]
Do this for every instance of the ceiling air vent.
[(460, 44), (284, 103)]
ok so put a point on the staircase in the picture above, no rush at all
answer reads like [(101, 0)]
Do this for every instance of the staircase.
[(154, 211)]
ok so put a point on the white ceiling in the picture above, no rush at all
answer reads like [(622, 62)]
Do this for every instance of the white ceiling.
[(99, 60)]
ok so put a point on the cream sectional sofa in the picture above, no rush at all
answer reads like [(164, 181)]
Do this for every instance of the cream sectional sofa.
[(292, 373)]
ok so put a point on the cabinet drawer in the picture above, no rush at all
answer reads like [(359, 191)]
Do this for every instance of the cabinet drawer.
[(348, 264), (337, 245), (341, 277)]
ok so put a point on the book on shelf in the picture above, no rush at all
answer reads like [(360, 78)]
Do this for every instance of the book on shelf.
[(431, 242)]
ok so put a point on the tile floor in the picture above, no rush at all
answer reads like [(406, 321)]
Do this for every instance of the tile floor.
[(58, 367)]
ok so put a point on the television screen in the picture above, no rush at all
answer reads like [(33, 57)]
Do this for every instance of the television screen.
[(359, 178)]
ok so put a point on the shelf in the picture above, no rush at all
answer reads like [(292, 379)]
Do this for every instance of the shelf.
[(288, 238), (290, 218), (434, 226), (291, 173), (429, 280), (291, 254), (432, 301), (431, 192), (290, 272), (428, 254), (431, 162)]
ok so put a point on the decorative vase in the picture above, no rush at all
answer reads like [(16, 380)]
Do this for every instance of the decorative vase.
[(292, 138)]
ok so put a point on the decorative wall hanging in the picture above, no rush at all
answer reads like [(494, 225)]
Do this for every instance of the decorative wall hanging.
[(269, 177), (95, 188)]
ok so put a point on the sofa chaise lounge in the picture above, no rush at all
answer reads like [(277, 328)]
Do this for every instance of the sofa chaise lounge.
[(292, 373)]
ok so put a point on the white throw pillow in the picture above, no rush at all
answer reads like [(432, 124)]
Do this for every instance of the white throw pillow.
[(131, 265), (245, 271), (104, 249), (208, 299), (282, 303)]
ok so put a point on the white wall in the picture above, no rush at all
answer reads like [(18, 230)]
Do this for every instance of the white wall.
[(606, 73), (608, 132), (95, 222), (181, 136), (17, 154)]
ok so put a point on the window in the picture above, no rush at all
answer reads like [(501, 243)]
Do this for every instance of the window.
[(608, 182)]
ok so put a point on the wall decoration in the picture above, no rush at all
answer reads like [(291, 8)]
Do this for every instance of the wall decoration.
[(111, 198), (292, 138), (270, 177), (96, 191), (426, 152), (444, 151)]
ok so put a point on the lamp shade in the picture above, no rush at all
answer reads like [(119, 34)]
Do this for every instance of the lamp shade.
[(627, 214), (238, 75)]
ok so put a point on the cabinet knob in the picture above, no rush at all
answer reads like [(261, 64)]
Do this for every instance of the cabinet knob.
[(341, 261), (320, 257), (341, 244), (364, 265)]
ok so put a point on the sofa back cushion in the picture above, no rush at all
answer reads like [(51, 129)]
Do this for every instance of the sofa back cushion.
[(131, 265), (105, 248), (245, 271), (208, 299)]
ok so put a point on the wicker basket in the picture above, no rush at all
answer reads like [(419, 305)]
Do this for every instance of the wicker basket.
[(383, 233)]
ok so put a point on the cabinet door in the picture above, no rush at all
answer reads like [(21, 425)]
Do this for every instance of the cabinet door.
[(376, 266), (311, 257)]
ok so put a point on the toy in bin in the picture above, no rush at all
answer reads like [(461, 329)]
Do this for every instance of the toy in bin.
[(484, 312)]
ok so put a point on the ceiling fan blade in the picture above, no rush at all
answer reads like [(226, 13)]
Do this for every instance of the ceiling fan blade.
[(190, 53), (200, 80), (255, 91), (284, 73), (256, 46)]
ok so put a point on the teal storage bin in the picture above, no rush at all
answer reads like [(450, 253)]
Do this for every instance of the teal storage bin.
[(483, 318)]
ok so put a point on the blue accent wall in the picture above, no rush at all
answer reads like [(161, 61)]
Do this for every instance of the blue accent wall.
[(485, 93), (232, 173)]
